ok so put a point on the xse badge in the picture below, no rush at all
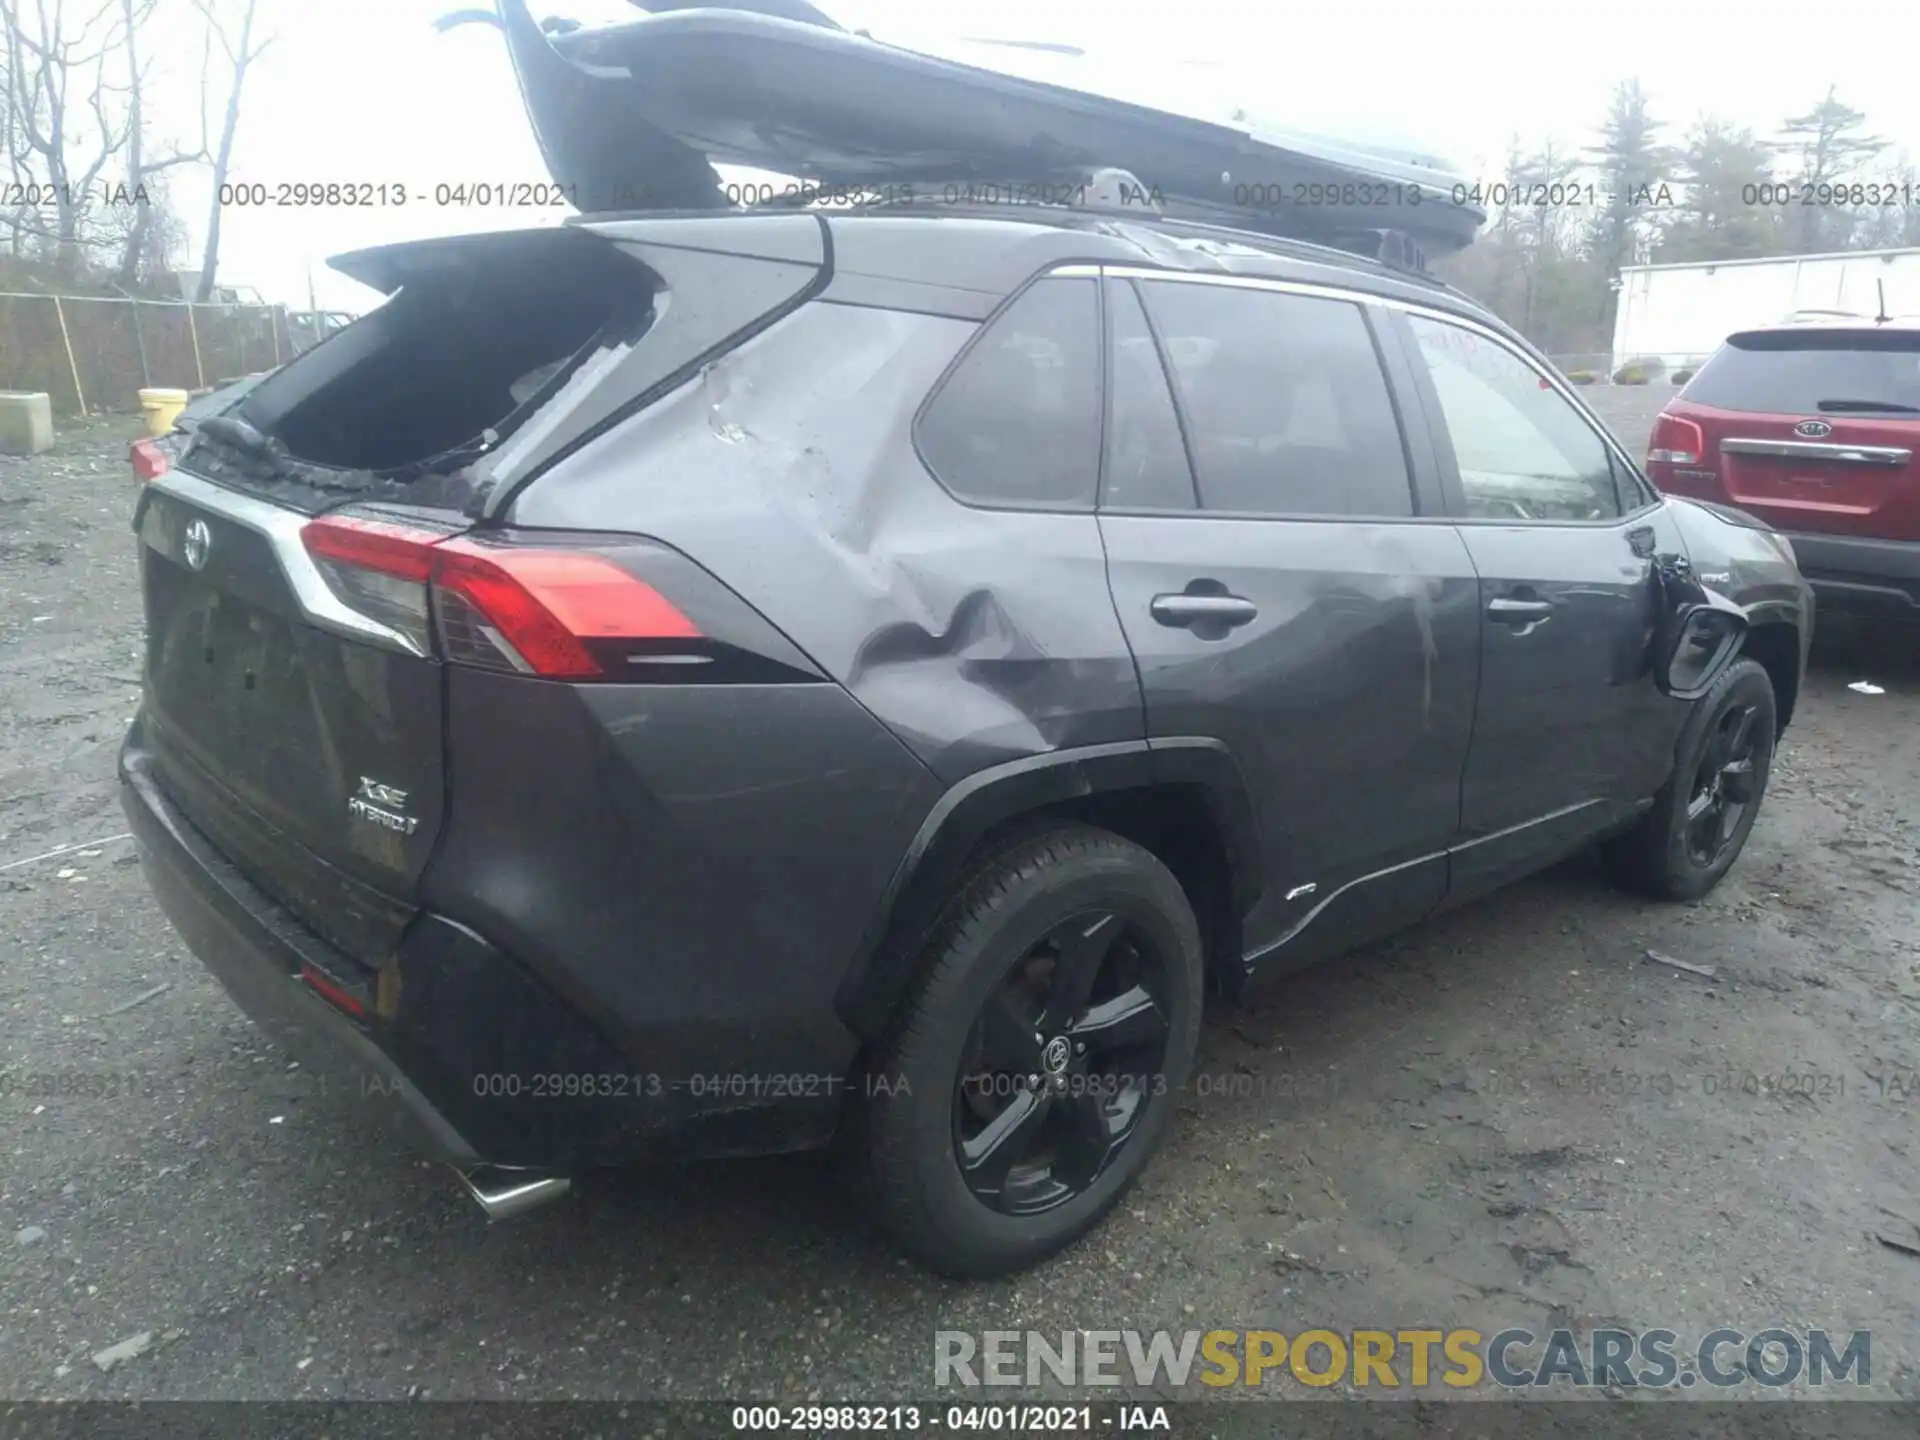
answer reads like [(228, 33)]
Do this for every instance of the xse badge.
[(384, 806)]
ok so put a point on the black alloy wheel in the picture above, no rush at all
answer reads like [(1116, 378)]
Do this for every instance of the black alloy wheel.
[(1061, 1065), (1724, 784), (1031, 1071), (1700, 819)]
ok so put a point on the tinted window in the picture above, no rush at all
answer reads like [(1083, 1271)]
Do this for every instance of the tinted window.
[(1790, 372), (1524, 452), (1146, 458), (1018, 421), (1287, 410)]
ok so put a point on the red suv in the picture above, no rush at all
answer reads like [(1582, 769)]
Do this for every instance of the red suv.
[(1812, 427)]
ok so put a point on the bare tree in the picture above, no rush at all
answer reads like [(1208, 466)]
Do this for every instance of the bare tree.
[(19, 213), (240, 56), (145, 224), (54, 68)]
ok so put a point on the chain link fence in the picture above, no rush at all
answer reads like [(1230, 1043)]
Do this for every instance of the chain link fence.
[(92, 353)]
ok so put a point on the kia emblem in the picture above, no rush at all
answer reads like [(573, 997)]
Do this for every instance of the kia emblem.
[(1813, 429)]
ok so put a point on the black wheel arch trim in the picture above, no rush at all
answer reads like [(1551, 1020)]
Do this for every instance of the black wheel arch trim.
[(1768, 617), (936, 858)]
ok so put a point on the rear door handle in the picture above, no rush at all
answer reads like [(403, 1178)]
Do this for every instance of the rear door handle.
[(1508, 611), (1219, 612)]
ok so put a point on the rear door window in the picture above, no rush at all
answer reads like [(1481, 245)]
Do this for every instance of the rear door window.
[(1813, 372), (1017, 422), (1286, 406)]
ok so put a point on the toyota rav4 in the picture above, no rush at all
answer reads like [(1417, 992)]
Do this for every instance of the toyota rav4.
[(710, 684)]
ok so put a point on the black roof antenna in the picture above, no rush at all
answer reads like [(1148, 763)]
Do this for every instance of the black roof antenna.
[(1882, 318)]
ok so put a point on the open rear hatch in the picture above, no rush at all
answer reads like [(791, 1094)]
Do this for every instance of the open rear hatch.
[(321, 549), (633, 117), (1814, 430)]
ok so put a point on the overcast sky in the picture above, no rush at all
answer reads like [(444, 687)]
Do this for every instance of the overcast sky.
[(365, 91)]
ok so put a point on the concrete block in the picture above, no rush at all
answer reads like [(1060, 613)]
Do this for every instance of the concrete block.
[(26, 422)]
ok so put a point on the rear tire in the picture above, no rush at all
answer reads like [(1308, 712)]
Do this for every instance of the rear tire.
[(1035, 1069), (1702, 816)]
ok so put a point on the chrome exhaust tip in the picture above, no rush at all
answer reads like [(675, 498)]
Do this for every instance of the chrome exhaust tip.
[(504, 1193)]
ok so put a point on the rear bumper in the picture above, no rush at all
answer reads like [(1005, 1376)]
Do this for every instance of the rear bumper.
[(473, 1059), (255, 950), (1862, 576)]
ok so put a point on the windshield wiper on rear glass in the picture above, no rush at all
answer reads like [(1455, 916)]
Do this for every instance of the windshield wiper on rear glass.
[(1893, 405)]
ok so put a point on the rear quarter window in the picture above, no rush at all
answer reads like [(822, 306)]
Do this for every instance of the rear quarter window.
[(1017, 422), (1792, 371)]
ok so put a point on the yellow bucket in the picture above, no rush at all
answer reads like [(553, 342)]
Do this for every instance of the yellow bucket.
[(161, 408)]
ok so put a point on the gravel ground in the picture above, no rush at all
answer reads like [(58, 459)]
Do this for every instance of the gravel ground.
[(1407, 1136)]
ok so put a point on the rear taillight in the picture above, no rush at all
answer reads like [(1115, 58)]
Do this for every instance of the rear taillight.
[(1676, 442), (380, 569), (544, 612), (1674, 454), (150, 460), (559, 614)]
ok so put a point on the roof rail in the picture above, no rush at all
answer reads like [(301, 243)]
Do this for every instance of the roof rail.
[(1388, 248), (1386, 245), (1110, 190)]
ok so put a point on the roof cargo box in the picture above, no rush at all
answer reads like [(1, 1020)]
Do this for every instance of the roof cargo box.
[(635, 116)]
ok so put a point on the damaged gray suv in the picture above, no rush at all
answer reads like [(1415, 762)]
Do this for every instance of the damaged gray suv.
[(724, 680)]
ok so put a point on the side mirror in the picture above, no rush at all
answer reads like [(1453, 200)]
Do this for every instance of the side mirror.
[(1698, 635)]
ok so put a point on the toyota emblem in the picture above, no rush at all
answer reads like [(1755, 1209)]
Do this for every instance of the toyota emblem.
[(1813, 429), (196, 543)]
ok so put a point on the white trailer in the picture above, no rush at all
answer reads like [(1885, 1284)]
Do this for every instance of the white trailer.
[(1681, 313)]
